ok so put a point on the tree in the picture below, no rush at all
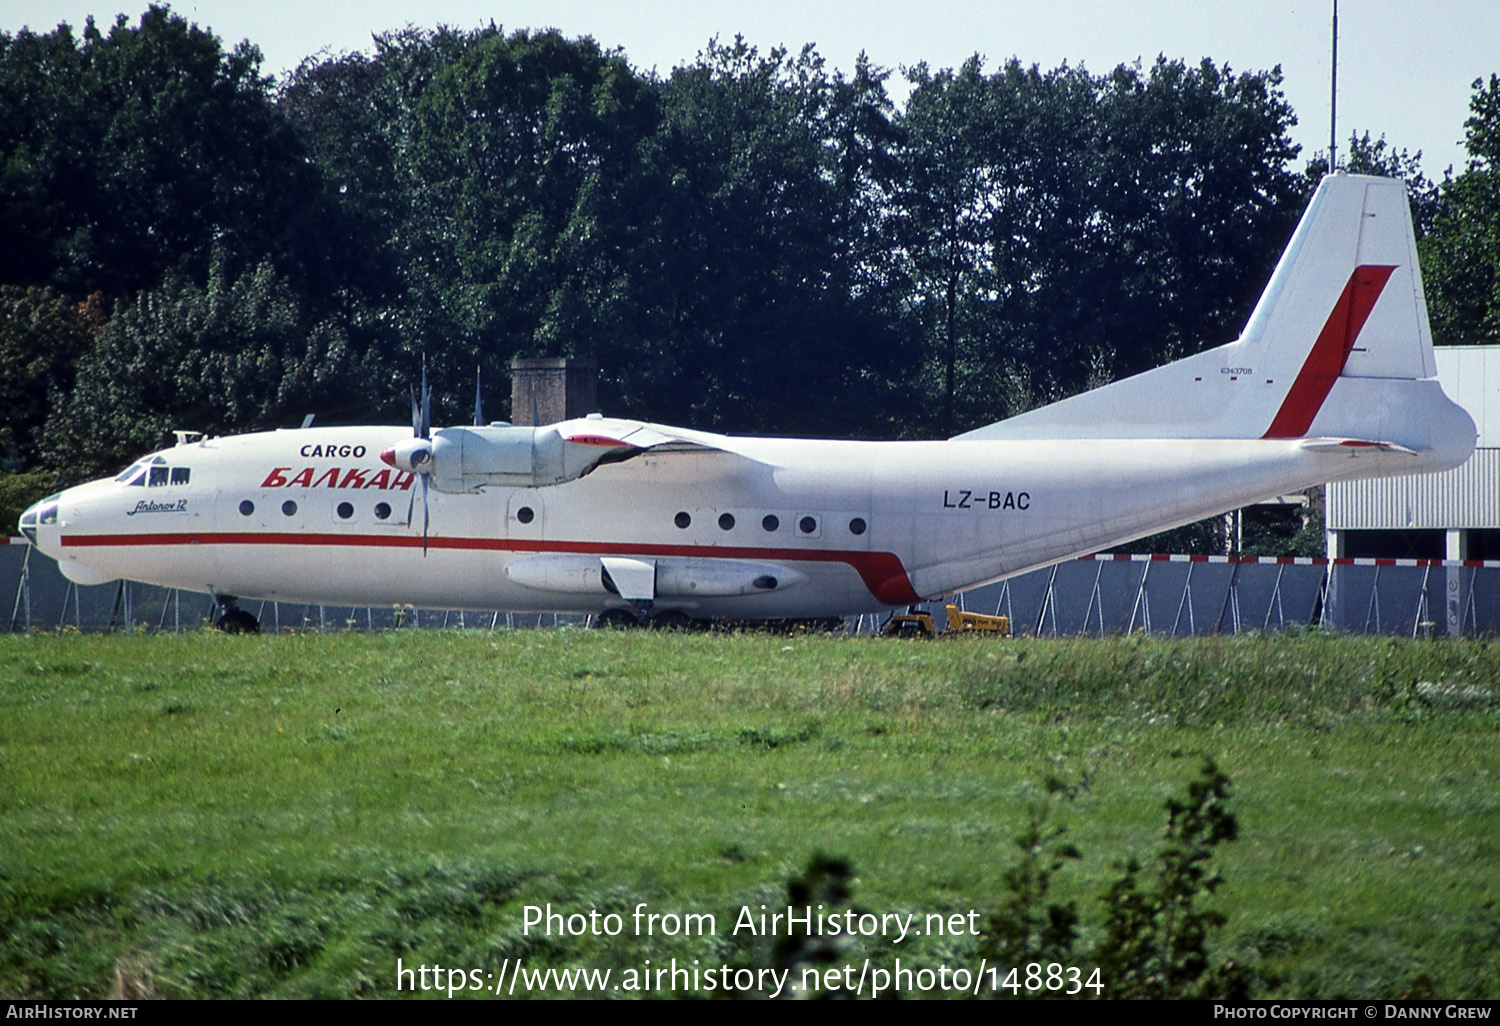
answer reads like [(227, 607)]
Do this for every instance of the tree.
[(1461, 254), (948, 196), (525, 146), (1060, 228), (128, 154), (41, 335), (230, 355), (493, 188), (766, 288), (348, 113), (754, 243), (1200, 203)]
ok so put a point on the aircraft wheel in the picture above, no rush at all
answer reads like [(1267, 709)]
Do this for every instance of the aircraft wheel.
[(238, 621), (672, 620), (615, 619)]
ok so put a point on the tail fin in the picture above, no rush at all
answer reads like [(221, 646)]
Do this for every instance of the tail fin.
[(1351, 266), (1337, 348)]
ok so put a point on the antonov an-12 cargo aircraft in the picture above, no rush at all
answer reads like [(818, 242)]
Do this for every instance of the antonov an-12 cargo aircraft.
[(1332, 379)]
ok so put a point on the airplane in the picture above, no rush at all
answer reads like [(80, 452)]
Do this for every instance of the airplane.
[(634, 522)]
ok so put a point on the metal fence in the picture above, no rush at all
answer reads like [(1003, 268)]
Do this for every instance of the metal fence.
[(46, 600), (1174, 596), (1178, 596)]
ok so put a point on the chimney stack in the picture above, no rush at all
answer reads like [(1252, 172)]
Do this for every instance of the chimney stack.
[(548, 389)]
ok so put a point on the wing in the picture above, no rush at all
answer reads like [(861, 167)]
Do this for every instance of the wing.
[(629, 437)]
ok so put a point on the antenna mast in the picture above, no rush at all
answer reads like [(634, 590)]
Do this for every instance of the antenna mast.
[(1333, 99)]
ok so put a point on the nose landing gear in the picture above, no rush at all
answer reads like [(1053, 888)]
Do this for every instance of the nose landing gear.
[(231, 619)]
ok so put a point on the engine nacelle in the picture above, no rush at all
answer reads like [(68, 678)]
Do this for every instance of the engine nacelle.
[(465, 459), (672, 578)]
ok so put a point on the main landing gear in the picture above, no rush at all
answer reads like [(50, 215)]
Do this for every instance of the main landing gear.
[(616, 619), (665, 620), (673, 620)]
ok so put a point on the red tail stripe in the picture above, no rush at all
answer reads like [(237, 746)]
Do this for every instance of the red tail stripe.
[(1330, 352)]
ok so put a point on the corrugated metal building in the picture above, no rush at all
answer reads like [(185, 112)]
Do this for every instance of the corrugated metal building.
[(1453, 515)]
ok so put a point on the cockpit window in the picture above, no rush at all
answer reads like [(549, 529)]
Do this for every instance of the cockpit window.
[(153, 471), (44, 512)]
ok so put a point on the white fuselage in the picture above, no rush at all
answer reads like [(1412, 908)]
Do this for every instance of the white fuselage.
[(839, 527)]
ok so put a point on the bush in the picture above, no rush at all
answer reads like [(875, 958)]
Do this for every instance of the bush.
[(1153, 941)]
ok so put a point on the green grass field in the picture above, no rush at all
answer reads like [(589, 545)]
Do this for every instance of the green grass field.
[(199, 815)]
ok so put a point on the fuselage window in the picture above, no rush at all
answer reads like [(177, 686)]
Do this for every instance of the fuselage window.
[(289, 508), (770, 522), (857, 525), (180, 475), (726, 521), (345, 510), (807, 525), (382, 510), (682, 520), (247, 508), (158, 477), (525, 514)]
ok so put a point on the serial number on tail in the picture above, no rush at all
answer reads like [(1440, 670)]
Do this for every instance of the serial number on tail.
[(965, 498)]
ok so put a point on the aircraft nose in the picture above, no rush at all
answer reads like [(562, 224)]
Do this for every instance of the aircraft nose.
[(40, 513)]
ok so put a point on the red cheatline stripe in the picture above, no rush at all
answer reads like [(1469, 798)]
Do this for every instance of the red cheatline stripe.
[(881, 572), (1325, 362)]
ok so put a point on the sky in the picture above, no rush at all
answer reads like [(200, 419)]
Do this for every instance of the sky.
[(1405, 70)]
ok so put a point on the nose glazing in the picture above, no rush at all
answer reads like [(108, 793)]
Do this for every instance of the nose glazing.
[(39, 514)]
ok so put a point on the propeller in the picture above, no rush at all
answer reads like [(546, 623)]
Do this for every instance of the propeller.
[(423, 427), (415, 454)]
